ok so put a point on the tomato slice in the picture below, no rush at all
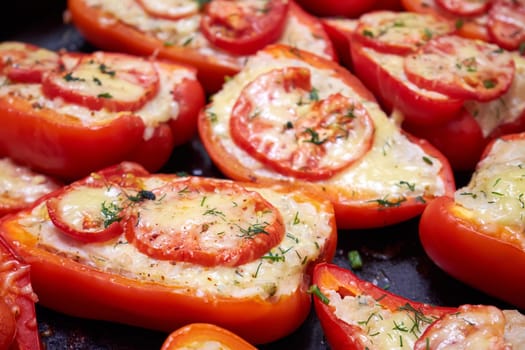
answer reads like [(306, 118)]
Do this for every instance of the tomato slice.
[(26, 63), (461, 68), (116, 82), (206, 222), (169, 9), (506, 24), (400, 32), (280, 120), (464, 7), (91, 210), (479, 326), (242, 27)]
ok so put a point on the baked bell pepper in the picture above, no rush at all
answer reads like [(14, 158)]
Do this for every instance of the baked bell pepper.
[(356, 314), (476, 235), (75, 113), (128, 279), (294, 117)]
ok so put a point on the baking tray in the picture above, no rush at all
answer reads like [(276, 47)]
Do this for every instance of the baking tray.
[(392, 257)]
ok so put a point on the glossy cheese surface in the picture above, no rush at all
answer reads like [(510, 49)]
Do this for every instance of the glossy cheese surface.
[(381, 328), (495, 197), (21, 184), (308, 226), (391, 167)]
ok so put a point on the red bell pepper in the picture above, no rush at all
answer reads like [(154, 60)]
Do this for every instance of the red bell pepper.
[(355, 313), (94, 110), (19, 328), (121, 280), (358, 315), (476, 235)]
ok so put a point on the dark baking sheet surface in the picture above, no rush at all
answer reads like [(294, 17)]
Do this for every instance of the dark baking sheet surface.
[(392, 257)]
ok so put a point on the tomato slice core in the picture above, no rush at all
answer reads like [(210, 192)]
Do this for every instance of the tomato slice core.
[(244, 27), (461, 68), (206, 222), (25, 63), (464, 7), (280, 120), (506, 24), (115, 82)]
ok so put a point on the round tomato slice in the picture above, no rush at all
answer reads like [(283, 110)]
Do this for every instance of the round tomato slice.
[(506, 24), (87, 213), (243, 27), (400, 32), (91, 210), (26, 63), (461, 68), (472, 327), (170, 9), (464, 7), (206, 222), (280, 120), (116, 82)]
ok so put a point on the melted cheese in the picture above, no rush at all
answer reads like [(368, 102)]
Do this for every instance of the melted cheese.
[(86, 201), (505, 109), (21, 184), (409, 29), (219, 219), (381, 328), (90, 80), (495, 197), (185, 32), (307, 226), (159, 109), (461, 63), (391, 164), (171, 8)]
